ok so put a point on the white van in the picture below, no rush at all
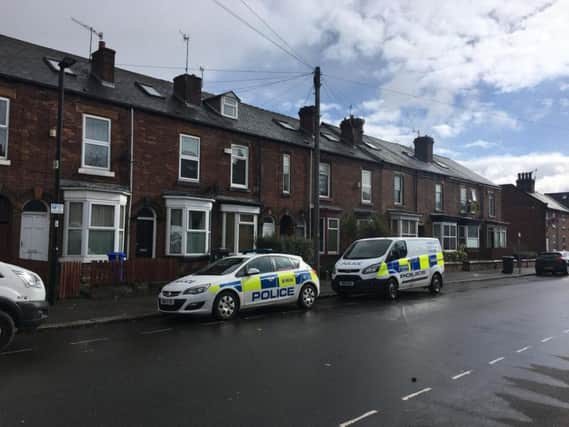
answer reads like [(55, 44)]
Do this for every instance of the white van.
[(22, 301), (389, 264)]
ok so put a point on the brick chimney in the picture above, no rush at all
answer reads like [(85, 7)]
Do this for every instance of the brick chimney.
[(103, 64), (352, 130), (424, 148), (307, 119), (526, 182), (188, 89)]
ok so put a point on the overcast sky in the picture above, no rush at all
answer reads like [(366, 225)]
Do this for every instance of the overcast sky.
[(488, 79)]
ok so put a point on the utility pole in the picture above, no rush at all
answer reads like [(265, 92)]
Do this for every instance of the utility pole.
[(56, 210), (316, 172)]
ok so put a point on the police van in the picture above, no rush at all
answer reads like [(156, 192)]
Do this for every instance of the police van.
[(387, 265), (242, 281)]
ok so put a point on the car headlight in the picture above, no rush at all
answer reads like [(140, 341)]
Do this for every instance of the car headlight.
[(31, 280), (196, 290), (374, 268)]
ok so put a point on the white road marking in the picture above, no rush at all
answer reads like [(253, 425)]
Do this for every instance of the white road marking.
[(462, 374), (89, 341), (520, 350), (361, 417), (499, 359), (23, 350), (156, 331), (412, 395), (547, 339)]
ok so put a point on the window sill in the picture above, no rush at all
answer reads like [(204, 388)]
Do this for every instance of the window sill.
[(367, 204), (287, 195), (188, 181), (96, 172), (241, 189), (5, 162)]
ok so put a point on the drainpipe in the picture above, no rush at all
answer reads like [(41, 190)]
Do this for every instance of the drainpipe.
[(130, 183)]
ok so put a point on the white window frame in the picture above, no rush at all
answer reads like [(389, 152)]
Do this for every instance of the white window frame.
[(497, 237), (69, 227), (442, 235), (337, 229), (272, 223), (439, 207), (238, 210), (463, 230), (189, 157), (286, 173), (224, 99), (400, 219), (187, 205), (491, 204), (114, 227), (401, 186), (4, 159), (328, 169), (463, 200), (246, 158), (89, 198), (368, 186), (95, 142)]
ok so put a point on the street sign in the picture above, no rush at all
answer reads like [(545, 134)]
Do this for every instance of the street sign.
[(57, 208)]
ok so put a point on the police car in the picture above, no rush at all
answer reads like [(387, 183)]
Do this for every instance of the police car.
[(242, 281), (389, 264)]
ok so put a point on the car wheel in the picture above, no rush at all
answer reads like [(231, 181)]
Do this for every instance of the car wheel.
[(226, 306), (7, 330), (391, 289), (436, 284), (307, 297)]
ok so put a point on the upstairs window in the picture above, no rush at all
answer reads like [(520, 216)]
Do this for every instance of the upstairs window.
[(463, 199), (189, 158), (149, 90), (366, 186), (286, 173), (239, 166), (96, 142), (324, 180), (229, 107), (438, 197), (491, 204), (4, 116), (398, 189)]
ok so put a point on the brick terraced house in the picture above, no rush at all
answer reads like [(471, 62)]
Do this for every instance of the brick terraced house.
[(164, 169), (541, 220)]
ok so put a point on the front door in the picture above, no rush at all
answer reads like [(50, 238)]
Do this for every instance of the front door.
[(144, 238), (34, 236)]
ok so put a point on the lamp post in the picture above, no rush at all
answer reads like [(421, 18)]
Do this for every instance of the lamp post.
[(66, 62)]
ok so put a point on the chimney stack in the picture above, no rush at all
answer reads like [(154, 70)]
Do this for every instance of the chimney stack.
[(307, 119), (103, 65), (188, 89), (424, 148), (352, 130), (526, 182)]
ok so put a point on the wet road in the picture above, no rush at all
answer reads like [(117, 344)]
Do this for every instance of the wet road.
[(484, 354)]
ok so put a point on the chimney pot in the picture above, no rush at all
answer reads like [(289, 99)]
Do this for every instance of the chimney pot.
[(188, 89), (103, 64), (424, 148), (102, 44), (352, 130), (526, 182), (307, 115)]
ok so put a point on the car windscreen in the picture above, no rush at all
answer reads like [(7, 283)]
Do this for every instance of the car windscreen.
[(365, 249), (221, 267), (548, 255)]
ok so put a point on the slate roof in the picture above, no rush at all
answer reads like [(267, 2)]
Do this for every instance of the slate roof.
[(27, 62), (549, 201)]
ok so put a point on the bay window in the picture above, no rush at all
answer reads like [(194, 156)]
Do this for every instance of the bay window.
[(469, 236), (446, 233), (404, 226), (497, 237), (188, 226), (239, 166)]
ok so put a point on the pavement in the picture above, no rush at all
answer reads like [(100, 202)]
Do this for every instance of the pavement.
[(487, 353), (84, 312)]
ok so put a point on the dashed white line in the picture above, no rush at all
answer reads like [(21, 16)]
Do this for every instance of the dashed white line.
[(361, 417), (88, 341), (547, 339), (462, 374), (23, 350), (156, 331), (412, 395), (521, 350), (499, 359)]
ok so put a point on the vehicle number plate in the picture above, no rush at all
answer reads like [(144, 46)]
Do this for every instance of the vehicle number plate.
[(166, 301), (346, 284)]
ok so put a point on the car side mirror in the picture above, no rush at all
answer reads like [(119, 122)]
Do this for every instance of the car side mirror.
[(253, 271)]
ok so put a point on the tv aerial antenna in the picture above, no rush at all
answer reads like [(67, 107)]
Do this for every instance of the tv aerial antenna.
[(92, 32), (186, 38)]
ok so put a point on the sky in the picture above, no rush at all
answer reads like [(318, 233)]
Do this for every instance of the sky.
[(488, 79)]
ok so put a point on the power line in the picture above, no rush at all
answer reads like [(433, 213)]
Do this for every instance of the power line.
[(272, 30), (288, 52), (217, 70), (246, 80), (271, 83), (437, 101), (310, 87)]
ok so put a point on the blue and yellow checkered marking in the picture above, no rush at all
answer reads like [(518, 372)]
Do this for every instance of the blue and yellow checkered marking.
[(422, 262)]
